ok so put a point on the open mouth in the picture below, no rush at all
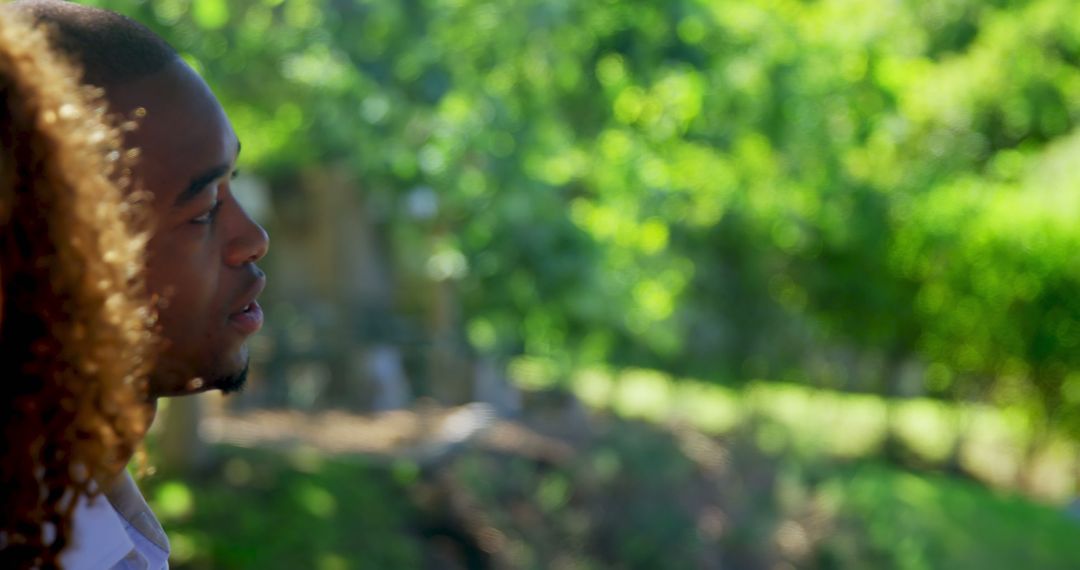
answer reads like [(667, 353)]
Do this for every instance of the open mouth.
[(249, 319)]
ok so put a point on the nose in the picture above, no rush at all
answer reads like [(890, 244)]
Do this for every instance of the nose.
[(249, 242)]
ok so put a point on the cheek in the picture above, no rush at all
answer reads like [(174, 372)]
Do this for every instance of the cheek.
[(182, 277), (164, 261)]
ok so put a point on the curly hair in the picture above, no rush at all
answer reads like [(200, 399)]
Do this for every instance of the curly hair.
[(76, 340)]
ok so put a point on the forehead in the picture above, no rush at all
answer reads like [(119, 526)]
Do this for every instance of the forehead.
[(182, 129)]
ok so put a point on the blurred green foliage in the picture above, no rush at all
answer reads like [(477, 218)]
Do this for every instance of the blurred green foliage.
[(999, 446), (640, 496), (716, 188), (274, 510), (922, 522), (827, 192)]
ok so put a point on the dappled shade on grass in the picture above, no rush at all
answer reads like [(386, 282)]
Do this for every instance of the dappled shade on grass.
[(634, 494)]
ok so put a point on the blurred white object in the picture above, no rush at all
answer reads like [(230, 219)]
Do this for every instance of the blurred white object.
[(382, 364)]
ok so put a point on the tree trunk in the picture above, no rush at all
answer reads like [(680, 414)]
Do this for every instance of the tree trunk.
[(893, 449), (181, 450), (352, 276), (450, 367)]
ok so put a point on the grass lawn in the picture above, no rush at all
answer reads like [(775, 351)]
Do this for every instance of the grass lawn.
[(916, 521)]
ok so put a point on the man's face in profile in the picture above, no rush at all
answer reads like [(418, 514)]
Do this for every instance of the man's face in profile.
[(201, 258)]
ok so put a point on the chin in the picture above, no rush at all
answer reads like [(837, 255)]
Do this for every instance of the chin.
[(233, 377), (177, 377), (230, 383)]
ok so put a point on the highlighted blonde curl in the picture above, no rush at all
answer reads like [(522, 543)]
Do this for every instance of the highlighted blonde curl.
[(75, 330)]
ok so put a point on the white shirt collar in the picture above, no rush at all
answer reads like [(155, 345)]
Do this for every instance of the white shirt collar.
[(116, 532), (98, 538)]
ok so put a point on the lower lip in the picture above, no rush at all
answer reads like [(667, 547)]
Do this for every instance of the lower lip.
[(249, 321)]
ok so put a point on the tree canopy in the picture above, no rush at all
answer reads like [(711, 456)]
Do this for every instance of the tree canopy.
[(728, 189)]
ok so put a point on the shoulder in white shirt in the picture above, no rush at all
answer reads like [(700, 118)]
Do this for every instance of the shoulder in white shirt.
[(116, 531)]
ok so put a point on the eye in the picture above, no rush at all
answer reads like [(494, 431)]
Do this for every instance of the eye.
[(234, 174), (209, 216)]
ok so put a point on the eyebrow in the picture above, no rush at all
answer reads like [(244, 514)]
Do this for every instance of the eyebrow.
[(199, 183)]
